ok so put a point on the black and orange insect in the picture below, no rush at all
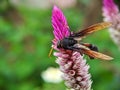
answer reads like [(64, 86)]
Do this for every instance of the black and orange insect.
[(73, 42)]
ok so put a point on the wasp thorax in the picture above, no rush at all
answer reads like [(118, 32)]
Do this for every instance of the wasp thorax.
[(66, 43)]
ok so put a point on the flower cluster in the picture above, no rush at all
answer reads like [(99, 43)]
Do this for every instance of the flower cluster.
[(75, 70), (111, 14), (72, 64)]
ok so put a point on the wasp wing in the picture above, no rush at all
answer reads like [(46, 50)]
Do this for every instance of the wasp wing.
[(96, 55), (90, 30), (91, 53)]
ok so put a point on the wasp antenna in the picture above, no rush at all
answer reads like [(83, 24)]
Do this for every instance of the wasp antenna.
[(50, 52)]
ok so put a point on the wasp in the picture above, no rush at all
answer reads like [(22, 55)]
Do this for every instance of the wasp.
[(73, 42)]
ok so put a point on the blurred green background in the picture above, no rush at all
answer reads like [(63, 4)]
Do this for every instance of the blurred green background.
[(25, 41)]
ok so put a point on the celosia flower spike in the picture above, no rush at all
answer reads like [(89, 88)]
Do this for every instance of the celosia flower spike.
[(111, 14), (110, 7), (72, 64), (59, 23)]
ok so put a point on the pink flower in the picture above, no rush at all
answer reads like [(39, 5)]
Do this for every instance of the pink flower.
[(110, 7), (111, 14), (72, 64), (59, 23)]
